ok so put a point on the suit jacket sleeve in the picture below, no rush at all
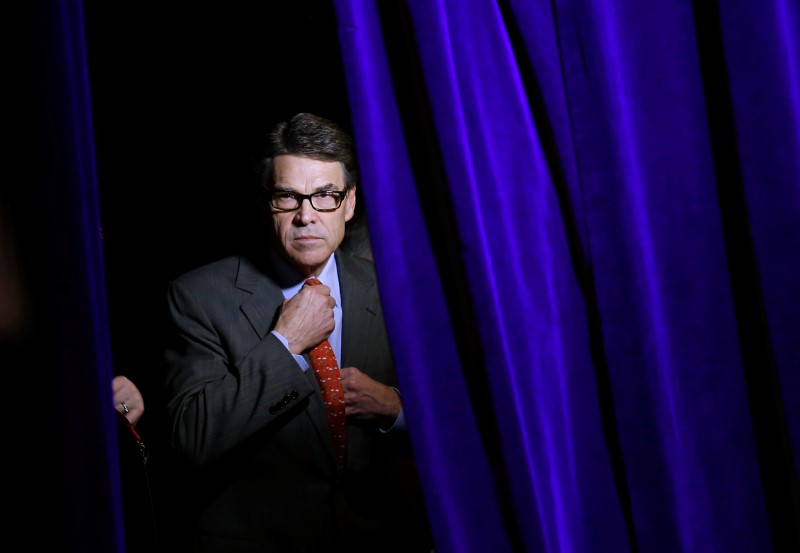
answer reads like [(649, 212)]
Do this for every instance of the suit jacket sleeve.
[(227, 376)]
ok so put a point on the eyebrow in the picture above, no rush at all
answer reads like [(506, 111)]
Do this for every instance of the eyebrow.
[(324, 188)]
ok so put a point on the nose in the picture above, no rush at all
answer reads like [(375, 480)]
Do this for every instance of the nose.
[(305, 214)]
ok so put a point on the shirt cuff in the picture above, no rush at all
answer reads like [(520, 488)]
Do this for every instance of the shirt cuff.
[(301, 361), (400, 422)]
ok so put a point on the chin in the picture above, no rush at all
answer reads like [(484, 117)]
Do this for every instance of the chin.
[(309, 261)]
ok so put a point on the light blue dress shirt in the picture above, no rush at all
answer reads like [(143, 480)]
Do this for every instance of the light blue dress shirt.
[(330, 278)]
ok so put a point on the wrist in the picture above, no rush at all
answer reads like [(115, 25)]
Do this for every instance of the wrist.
[(394, 403)]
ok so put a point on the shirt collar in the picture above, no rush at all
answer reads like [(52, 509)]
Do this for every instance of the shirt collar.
[(329, 276)]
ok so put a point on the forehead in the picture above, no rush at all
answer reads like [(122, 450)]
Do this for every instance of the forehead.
[(304, 173)]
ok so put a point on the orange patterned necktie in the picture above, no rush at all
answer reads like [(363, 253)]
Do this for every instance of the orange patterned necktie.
[(326, 369)]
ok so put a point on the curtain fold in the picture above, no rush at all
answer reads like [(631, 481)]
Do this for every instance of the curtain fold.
[(585, 224), (455, 511), (62, 438), (762, 54)]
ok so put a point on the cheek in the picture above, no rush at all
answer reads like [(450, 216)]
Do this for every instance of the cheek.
[(337, 229), (279, 225)]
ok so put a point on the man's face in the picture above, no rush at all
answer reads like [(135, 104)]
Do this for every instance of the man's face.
[(307, 237)]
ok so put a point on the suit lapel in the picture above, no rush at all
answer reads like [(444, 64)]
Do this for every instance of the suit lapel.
[(358, 299), (261, 307)]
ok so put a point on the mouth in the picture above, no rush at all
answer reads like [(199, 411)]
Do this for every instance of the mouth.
[(307, 240)]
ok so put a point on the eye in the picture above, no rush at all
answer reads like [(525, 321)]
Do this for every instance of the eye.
[(283, 195), (325, 194)]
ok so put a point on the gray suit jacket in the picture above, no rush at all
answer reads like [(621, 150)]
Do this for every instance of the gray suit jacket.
[(251, 424)]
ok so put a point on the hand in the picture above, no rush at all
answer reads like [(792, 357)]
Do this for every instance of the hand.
[(366, 398), (126, 394), (307, 319)]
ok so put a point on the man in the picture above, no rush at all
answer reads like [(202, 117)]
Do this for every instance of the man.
[(244, 404)]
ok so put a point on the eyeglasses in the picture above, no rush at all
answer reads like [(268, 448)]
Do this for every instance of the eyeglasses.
[(326, 200)]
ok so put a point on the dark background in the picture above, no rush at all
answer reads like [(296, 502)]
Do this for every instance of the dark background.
[(182, 95), (181, 98)]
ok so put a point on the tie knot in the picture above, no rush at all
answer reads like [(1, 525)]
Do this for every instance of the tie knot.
[(312, 282)]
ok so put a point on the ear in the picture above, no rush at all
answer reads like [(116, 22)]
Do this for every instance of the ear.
[(350, 204)]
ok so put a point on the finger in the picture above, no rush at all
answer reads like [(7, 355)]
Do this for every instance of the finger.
[(118, 384)]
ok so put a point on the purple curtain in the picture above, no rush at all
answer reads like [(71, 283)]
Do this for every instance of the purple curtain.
[(60, 436), (586, 224)]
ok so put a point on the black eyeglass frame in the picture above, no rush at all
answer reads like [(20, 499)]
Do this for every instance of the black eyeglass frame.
[(339, 194)]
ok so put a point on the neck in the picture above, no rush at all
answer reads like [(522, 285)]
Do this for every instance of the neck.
[(287, 273)]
